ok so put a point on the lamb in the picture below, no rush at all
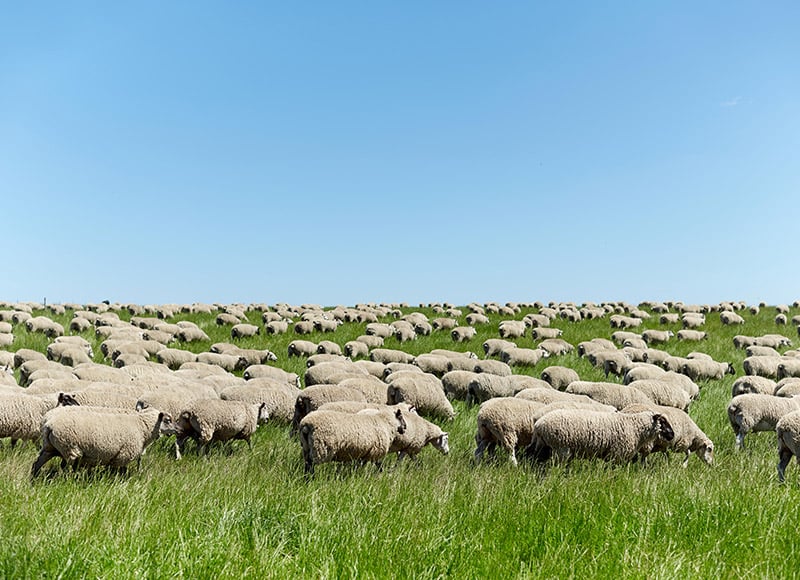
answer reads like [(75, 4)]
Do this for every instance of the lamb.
[(523, 357), (243, 330), (788, 431), (495, 346), (618, 396), (689, 438), (757, 412), (700, 369), (559, 377), (207, 420), (327, 436), (99, 437), (387, 355), (752, 384), (301, 348), (507, 421), (278, 397), (597, 435), (463, 333), (425, 392)]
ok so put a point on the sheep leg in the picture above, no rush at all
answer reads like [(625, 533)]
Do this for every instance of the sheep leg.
[(785, 455), (482, 444), (44, 456), (740, 440), (685, 462)]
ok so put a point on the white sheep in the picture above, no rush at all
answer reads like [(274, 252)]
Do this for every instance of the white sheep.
[(762, 366), (463, 333), (278, 397), (94, 436), (423, 391), (327, 436), (21, 415), (387, 355), (207, 420), (689, 438), (559, 377), (523, 357), (456, 383), (313, 397), (702, 369), (664, 393), (495, 346), (757, 412), (542, 333), (506, 421), (753, 384), (512, 329), (569, 433), (618, 396), (657, 336), (301, 348), (692, 335), (788, 431)]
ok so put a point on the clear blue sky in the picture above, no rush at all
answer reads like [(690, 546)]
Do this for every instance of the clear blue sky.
[(341, 152)]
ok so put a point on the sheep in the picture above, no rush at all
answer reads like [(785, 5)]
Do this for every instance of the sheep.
[(313, 397), (73, 356), (169, 401), (229, 362), (665, 393), (493, 367), (380, 329), (227, 319), (21, 415), (642, 371), (102, 398), (444, 323), (692, 320), (207, 420), (692, 335), (419, 432), (517, 357), (788, 387), (556, 346), (425, 392), (788, 367), (266, 371), (620, 336), (331, 372), (701, 369), (559, 377), (375, 369), (727, 317), (781, 320), (495, 346), (475, 318), (191, 334), (97, 436), (24, 355), (762, 366), (463, 333), (327, 436), (541, 333), (277, 327), (370, 341), (619, 321), (356, 349), (756, 350), (304, 327), (590, 434), (405, 333), (618, 396), (506, 421), (253, 356), (329, 347), (456, 384), (512, 329), (301, 348), (386, 355), (278, 397), (757, 412), (326, 325), (657, 336), (79, 324), (773, 340), (484, 387), (752, 384), (689, 438), (434, 364), (788, 431), (639, 344), (374, 390), (590, 347), (669, 318), (243, 330)]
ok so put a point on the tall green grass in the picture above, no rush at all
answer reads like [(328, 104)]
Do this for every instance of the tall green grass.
[(252, 514)]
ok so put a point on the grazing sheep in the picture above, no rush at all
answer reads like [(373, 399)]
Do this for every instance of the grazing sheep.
[(21, 415), (301, 348), (463, 333), (657, 336), (99, 437), (728, 317), (327, 436), (356, 349), (380, 329), (669, 318), (620, 321), (304, 327), (618, 396), (664, 393), (331, 372), (425, 392), (266, 371), (169, 401), (325, 325), (370, 341), (559, 377), (207, 420), (444, 323), (387, 355), (762, 366), (456, 384), (313, 397), (495, 346), (757, 412), (375, 369), (434, 364), (278, 397), (618, 437), (506, 421), (419, 433), (523, 357), (542, 333), (692, 320), (692, 335), (788, 387), (229, 362), (277, 327), (689, 438), (512, 329), (753, 384), (703, 369), (329, 347), (485, 386), (102, 398), (492, 367), (475, 318), (373, 389), (773, 340), (243, 330), (788, 431), (556, 346), (642, 371)]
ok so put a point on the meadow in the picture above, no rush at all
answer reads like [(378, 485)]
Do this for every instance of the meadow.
[(241, 513)]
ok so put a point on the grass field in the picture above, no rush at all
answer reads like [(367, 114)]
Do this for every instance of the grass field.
[(252, 514)]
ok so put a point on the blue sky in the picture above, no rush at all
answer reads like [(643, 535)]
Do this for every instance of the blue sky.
[(343, 152)]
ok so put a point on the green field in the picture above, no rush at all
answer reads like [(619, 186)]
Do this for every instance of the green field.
[(252, 514)]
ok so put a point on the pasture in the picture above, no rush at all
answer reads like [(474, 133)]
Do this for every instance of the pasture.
[(240, 513)]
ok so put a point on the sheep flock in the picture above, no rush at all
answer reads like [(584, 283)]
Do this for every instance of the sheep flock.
[(96, 384)]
